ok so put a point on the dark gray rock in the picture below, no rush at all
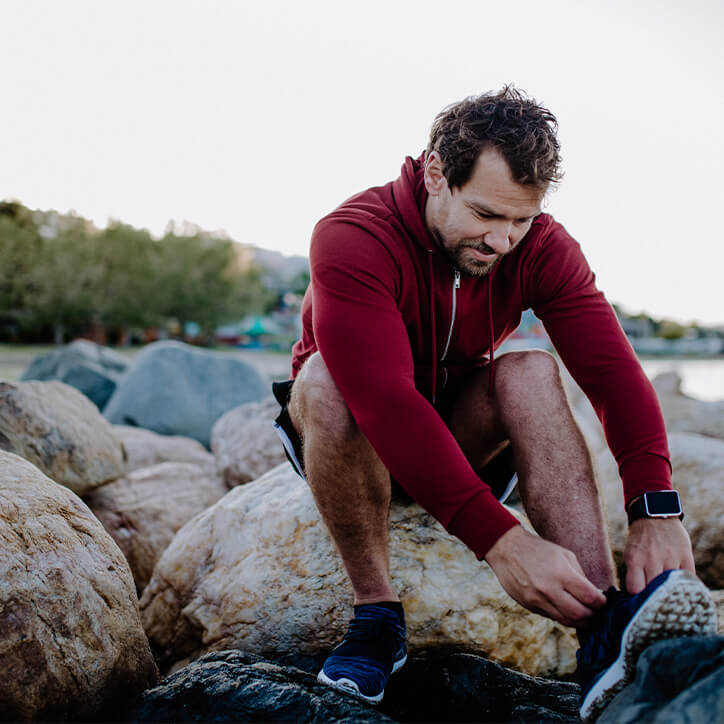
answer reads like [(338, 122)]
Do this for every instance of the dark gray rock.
[(460, 687), (90, 368), (678, 680), (175, 389), (235, 686)]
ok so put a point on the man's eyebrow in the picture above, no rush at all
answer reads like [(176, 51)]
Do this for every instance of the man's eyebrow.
[(494, 214)]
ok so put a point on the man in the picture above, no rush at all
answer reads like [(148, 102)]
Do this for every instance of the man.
[(413, 286)]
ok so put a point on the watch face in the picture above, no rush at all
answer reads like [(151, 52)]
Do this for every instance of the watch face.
[(665, 502)]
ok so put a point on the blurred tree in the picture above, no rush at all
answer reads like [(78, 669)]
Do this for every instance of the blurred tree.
[(198, 279), (299, 282), (250, 295), (20, 245), (124, 266), (58, 272), (668, 329), (61, 288)]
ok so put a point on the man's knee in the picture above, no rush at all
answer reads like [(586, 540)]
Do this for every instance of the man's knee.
[(316, 399), (527, 371)]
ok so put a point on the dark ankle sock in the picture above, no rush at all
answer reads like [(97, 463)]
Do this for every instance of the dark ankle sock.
[(395, 606)]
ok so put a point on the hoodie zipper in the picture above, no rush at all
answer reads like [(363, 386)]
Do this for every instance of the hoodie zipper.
[(456, 286)]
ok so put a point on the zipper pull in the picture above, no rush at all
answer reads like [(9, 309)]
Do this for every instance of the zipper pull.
[(457, 279)]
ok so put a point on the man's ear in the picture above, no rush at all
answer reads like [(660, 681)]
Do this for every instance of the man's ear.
[(435, 181)]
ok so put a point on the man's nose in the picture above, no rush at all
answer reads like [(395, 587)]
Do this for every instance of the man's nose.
[(498, 238)]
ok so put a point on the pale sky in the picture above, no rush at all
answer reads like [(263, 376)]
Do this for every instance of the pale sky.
[(259, 118)]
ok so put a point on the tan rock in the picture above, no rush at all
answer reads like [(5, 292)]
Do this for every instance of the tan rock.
[(145, 448), (59, 430), (698, 463), (686, 414), (718, 597), (71, 641), (143, 510), (258, 571), (583, 413), (611, 489), (245, 443)]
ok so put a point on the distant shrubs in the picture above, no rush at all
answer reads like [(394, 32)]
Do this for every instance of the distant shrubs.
[(60, 276)]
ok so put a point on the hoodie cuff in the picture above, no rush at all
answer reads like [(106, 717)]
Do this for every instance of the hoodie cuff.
[(480, 522), (644, 474)]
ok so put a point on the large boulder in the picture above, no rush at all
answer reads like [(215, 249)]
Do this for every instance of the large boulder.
[(60, 431), (143, 510), (686, 414), (72, 642), (145, 448), (175, 389), (583, 413), (245, 443), (90, 368), (259, 571)]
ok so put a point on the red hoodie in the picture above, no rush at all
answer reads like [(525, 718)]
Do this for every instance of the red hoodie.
[(394, 322)]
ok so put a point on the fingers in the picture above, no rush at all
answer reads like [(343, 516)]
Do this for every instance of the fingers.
[(544, 577), (583, 590), (635, 579), (687, 563), (569, 597), (568, 610)]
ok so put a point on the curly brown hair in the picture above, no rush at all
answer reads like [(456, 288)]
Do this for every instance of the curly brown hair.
[(521, 129)]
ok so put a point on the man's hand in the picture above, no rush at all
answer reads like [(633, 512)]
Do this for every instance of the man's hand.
[(544, 577), (655, 545)]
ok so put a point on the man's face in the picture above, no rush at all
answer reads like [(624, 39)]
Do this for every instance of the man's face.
[(477, 224)]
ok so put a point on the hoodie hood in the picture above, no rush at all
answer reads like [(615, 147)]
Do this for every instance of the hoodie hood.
[(410, 197)]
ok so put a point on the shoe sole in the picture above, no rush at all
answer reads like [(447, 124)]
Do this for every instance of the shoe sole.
[(349, 686), (681, 606)]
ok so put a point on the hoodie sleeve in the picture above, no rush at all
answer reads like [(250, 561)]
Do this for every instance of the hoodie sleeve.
[(586, 333), (361, 336)]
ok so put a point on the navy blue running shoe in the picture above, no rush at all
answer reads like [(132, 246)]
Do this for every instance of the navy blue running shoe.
[(372, 650), (676, 603)]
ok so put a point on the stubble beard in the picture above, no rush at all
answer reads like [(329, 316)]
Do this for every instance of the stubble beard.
[(460, 257), (464, 262)]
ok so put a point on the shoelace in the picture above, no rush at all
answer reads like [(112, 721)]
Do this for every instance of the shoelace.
[(598, 644)]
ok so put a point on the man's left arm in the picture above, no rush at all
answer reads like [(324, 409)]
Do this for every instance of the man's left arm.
[(587, 335)]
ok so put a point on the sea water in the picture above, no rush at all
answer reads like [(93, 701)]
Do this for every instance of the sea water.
[(701, 378)]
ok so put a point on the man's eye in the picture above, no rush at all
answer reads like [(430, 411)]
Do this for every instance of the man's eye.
[(481, 215)]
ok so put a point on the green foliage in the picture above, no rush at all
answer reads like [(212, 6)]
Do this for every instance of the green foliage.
[(299, 282), (19, 246), (668, 329), (58, 272)]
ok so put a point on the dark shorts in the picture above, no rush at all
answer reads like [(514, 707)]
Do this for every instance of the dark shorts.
[(499, 473)]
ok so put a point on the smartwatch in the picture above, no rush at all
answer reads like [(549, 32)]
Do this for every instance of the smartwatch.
[(658, 504)]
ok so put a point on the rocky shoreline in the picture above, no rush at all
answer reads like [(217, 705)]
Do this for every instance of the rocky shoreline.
[(197, 554)]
